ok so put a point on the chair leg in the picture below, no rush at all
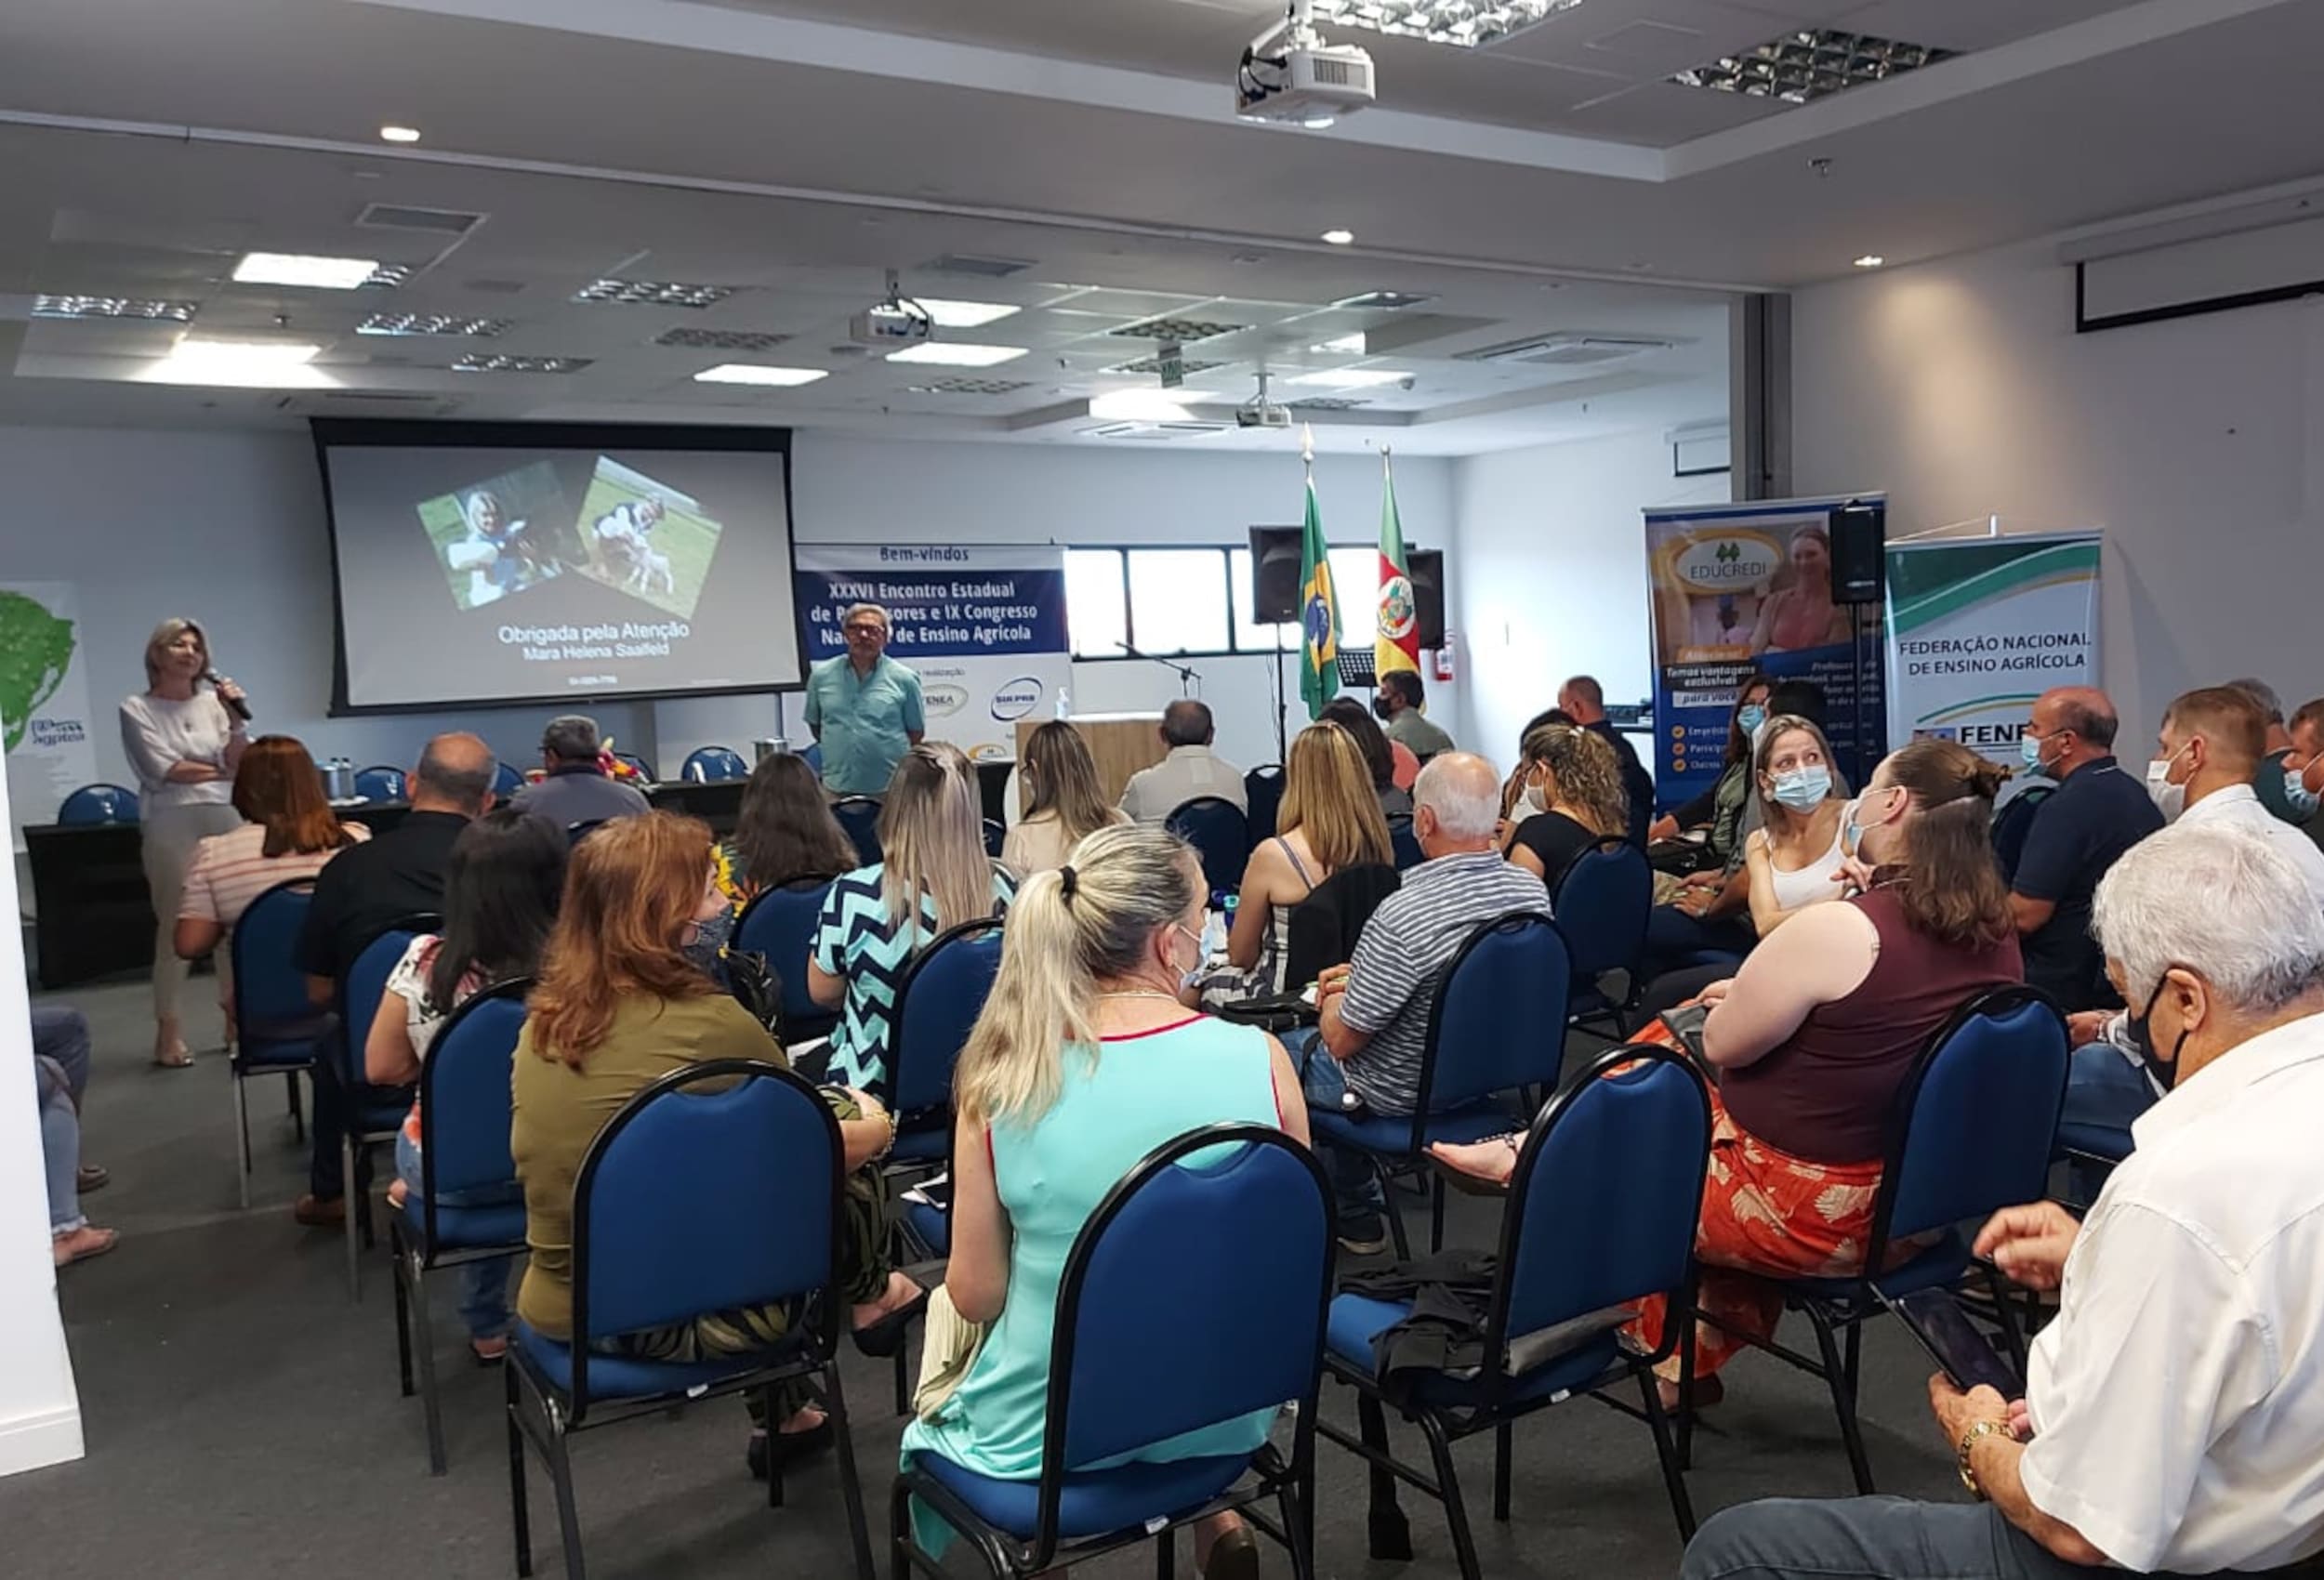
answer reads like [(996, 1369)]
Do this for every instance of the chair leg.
[(241, 1130), (899, 1529), (346, 1202), (1391, 1532), (1842, 1401), (424, 1340), (298, 1114), (850, 1484), (1855, 1362), (1394, 1210), (903, 1381), (403, 1326), (1293, 1505), (568, 1512), (1436, 1216), (519, 1517), (1165, 1553), (1456, 1508), (1667, 1451), (1501, 1435), (1690, 1335)]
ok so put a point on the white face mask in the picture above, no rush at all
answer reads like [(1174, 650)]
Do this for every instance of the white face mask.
[(1529, 804), (2170, 798)]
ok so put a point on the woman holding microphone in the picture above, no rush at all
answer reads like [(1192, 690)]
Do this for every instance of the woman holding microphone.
[(184, 743)]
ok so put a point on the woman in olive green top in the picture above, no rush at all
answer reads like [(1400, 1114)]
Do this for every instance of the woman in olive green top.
[(618, 1006)]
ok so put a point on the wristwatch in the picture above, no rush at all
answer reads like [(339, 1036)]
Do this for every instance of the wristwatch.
[(1984, 1428)]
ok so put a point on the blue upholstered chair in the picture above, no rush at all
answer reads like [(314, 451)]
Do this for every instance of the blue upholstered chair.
[(577, 832), (97, 804), (1221, 836), (713, 765), (1404, 843), (1971, 1133), (645, 1255), (380, 783), (859, 816), (1602, 901), (277, 1028), (372, 1117), (507, 781), (780, 924), (1495, 1027), (469, 1209), (995, 838), (1194, 1295), (1602, 1212), (1263, 792)]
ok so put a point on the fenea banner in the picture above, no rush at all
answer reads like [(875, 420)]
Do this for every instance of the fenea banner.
[(1979, 628), (984, 628), (1740, 589)]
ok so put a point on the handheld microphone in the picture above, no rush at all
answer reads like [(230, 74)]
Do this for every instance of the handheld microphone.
[(240, 709)]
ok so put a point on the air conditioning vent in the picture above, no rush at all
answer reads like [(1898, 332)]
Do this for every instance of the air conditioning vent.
[(1154, 430), (1566, 349), (442, 222)]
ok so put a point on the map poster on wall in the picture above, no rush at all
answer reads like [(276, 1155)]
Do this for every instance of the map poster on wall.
[(44, 698)]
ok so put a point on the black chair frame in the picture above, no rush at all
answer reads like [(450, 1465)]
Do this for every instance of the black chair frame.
[(1839, 1323), (354, 1030), (288, 1071), (1291, 1482), (1242, 816), (1389, 1533), (545, 1417), (415, 1262)]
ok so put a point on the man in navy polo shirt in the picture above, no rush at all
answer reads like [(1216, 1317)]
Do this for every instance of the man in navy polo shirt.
[(2097, 812)]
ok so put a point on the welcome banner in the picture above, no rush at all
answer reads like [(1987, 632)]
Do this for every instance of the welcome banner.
[(1979, 628)]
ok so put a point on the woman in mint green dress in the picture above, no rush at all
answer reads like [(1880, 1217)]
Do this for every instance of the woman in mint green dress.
[(1084, 1061)]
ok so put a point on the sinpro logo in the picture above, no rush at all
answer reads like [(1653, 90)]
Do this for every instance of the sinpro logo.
[(1016, 699), (1726, 562), (943, 701)]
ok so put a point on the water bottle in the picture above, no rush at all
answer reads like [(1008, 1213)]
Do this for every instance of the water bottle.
[(1064, 703)]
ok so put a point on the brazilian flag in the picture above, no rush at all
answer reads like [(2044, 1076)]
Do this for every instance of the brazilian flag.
[(1319, 615)]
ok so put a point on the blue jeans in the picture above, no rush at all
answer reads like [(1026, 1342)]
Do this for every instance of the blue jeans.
[(1867, 1539), (484, 1285), (60, 1147), (60, 1033), (2103, 1093), (1353, 1185)]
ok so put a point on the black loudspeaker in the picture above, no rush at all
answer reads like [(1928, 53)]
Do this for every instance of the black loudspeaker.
[(1274, 573), (1426, 567), (1859, 553)]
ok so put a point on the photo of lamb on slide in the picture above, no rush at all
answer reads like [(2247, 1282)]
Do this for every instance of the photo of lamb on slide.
[(646, 538)]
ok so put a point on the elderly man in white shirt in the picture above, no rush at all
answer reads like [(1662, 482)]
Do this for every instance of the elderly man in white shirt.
[(2173, 1416), (1191, 769)]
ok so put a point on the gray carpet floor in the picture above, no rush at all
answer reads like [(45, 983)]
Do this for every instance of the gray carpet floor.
[(242, 1415)]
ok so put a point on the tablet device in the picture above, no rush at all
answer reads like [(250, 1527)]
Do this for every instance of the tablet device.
[(1955, 1344)]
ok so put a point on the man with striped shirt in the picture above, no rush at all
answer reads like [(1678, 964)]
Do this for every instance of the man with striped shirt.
[(1374, 1010)]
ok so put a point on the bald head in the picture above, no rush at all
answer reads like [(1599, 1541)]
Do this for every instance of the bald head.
[(1456, 803), (1187, 723), (455, 775), (1584, 698), (2075, 725)]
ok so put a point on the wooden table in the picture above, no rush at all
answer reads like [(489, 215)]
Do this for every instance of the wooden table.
[(1121, 744)]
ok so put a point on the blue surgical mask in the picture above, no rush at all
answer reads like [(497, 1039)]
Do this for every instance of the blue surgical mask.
[(2029, 748), (1804, 789), (2297, 795), (1751, 717)]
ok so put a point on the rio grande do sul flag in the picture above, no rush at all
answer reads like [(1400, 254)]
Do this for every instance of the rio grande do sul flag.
[(1397, 646)]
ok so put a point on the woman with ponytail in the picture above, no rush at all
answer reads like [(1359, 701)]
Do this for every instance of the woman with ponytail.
[(1082, 1064)]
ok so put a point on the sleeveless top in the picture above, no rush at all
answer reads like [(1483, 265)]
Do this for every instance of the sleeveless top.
[(1812, 882), (1278, 948), (1120, 1101), (1826, 1094)]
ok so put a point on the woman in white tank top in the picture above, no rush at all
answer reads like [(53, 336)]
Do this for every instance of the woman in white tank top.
[(1794, 857)]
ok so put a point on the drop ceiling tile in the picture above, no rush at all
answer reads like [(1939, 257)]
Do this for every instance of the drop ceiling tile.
[(1663, 114), (1971, 25)]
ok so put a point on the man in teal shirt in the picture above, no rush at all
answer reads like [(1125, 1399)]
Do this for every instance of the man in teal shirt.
[(863, 707)]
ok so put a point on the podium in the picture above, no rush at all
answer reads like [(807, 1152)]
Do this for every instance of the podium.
[(1121, 744)]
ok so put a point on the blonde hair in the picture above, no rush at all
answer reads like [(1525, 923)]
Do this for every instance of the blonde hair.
[(1065, 780), (1327, 794), (1588, 778), (165, 633), (931, 841), (1070, 928)]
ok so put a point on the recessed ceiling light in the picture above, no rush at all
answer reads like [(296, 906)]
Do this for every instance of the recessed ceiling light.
[(1391, 300), (1339, 238), (1139, 406), (1811, 63), (761, 373), (305, 270), (965, 315), (114, 307), (957, 354), (651, 292), (399, 134), (1870, 260), (1345, 346), (434, 324), (1468, 24), (501, 362), (1351, 378)]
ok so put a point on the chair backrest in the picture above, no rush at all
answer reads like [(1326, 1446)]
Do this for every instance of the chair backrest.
[(1603, 1203), (1602, 900), (379, 782), (1221, 836), (995, 838), (577, 832), (1976, 1118), (2013, 823), (697, 1200), (712, 765), (1478, 1043), (1326, 925), (812, 757), (270, 989), (98, 803), (938, 999), (780, 924), (464, 1098), (367, 982), (859, 816), (1404, 842), (507, 781), (1262, 792), (1194, 1295)]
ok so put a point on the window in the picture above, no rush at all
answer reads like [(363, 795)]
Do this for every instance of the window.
[(1177, 601), (1183, 602), (1355, 588), (1097, 617)]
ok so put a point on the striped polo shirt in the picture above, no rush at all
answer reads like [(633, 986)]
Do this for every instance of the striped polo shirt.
[(1402, 953), (858, 939), (229, 871)]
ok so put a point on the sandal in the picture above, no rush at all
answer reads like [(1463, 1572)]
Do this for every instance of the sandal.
[(182, 1058), (881, 1340), (84, 1242)]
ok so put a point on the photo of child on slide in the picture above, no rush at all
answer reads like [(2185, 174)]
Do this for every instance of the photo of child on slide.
[(646, 539), (502, 535)]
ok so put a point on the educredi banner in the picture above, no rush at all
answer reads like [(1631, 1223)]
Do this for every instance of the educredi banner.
[(1745, 588), (44, 724), (1979, 628), (984, 628)]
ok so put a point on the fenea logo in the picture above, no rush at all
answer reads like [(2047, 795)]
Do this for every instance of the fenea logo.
[(1016, 699)]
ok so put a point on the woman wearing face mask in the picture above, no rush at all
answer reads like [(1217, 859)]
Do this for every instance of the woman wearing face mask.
[(1794, 856), (1719, 808), (1572, 798), (1813, 1035)]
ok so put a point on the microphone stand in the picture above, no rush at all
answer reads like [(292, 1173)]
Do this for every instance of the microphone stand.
[(1187, 678)]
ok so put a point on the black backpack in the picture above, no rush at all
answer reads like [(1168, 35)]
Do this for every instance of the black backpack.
[(2013, 822)]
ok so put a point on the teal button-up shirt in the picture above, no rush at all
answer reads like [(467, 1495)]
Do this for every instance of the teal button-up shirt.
[(862, 722)]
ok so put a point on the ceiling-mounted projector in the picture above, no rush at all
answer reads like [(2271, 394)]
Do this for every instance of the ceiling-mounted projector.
[(893, 321), (1259, 412), (1289, 74)]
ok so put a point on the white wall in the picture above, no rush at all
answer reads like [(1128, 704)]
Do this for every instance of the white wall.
[(2196, 446), (1553, 574)]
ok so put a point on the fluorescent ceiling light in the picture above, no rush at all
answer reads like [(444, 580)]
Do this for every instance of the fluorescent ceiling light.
[(304, 268), (1807, 65), (399, 134), (1464, 22), (502, 362), (85, 307), (259, 363), (1138, 406), (957, 354), (434, 324), (1339, 238), (761, 373), (651, 292), (1870, 260), (1346, 345), (1351, 378), (965, 315)]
